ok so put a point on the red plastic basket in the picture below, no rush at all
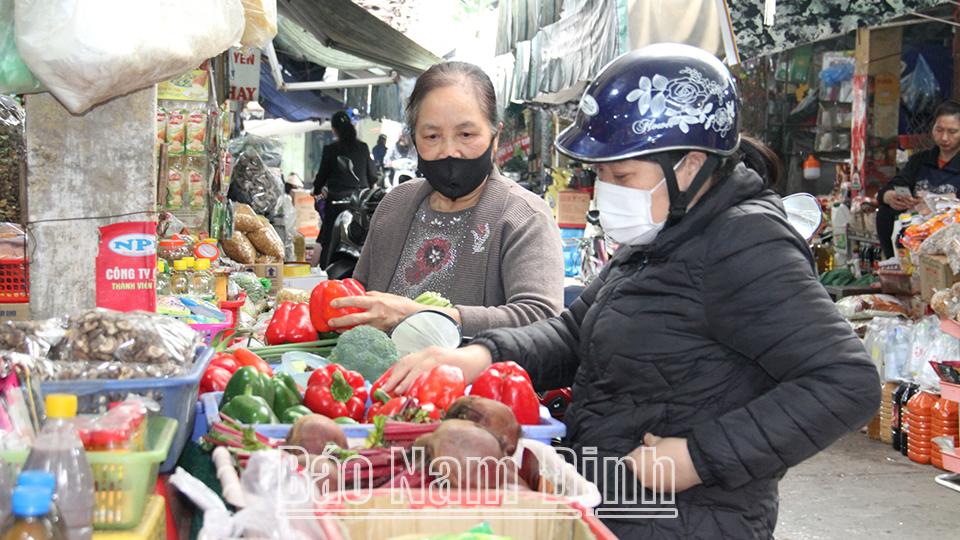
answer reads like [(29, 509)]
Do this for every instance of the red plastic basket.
[(14, 281)]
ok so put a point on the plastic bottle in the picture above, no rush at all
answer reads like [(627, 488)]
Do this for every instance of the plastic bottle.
[(823, 256), (6, 492), (179, 281), (895, 354), (163, 279), (31, 506), (886, 412), (202, 282), (811, 169), (920, 424), (46, 480), (896, 418), (59, 450), (943, 423), (905, 426), (840, 216)]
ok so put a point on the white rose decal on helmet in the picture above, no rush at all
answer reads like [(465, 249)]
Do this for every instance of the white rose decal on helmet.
[(669, 103)]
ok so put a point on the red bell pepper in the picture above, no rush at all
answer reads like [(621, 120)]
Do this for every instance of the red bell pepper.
[(382, 381), (509, 384), (248, 358), (226, 361), (326, 292), (214, 379), (381, 408), (440, 386), (334, 392), (291, 323)]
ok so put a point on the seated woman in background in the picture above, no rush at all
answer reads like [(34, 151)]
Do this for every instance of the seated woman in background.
[(489, 246)]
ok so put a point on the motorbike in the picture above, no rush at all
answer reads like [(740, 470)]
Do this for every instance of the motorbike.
[(403, 169), (351, 226)]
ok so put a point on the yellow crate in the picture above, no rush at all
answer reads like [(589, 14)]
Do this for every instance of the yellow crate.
[(153, 525)]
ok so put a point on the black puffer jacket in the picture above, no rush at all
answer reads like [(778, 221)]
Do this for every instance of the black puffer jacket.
[(719, 333)]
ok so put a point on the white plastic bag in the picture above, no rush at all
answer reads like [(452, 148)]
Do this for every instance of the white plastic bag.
[(261, 23), (88, 51)]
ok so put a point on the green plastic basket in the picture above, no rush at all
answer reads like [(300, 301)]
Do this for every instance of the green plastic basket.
[(123, 480)]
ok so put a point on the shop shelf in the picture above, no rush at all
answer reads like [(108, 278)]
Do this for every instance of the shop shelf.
[(177, 397), (549, 427), (124, 480)]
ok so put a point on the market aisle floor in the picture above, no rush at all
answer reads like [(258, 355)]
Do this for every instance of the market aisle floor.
[(861, 488)]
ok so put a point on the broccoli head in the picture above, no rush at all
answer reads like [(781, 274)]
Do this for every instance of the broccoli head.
[(366, 350)]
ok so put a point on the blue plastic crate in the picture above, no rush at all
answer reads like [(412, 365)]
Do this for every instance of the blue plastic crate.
[(549, 428), (177, 397)]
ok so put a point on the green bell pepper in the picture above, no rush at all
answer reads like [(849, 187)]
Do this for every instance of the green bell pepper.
[(250, 409), (268, 393), (294, 413), (287, 380), (243, 377), (344, 420), (284, 398)]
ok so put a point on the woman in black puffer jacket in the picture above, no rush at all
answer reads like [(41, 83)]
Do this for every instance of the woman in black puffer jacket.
[(707, 339)]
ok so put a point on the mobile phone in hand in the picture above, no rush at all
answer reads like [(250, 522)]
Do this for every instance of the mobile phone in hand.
[(902, 191)]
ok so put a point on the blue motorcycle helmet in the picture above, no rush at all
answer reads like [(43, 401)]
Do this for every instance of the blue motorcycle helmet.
[(661, 98)]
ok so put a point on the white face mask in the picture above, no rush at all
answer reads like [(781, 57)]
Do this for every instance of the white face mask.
[(626, 214)]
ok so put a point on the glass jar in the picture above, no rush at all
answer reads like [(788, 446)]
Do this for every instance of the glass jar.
[(172, 251), (110, 439)]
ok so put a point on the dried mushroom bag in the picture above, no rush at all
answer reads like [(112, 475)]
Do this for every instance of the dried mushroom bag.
[(116, 370), (12, 153), (43, 338), (239, 248), (246, 219), (103, 335), (253, 183), (291, 294), (267, 241)]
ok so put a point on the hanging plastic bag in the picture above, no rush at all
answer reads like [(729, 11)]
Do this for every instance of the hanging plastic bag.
[(920, 91), (261, 27), (15, 76), (253, 183), (88, 51)]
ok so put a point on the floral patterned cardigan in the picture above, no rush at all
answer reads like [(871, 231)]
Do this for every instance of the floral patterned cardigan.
[(510, 271)]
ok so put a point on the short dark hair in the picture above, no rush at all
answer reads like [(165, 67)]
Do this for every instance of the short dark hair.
[(447, 74), (947, 108)]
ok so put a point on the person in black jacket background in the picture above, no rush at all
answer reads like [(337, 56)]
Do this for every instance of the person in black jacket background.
[(333, 183), (937, 166), (707, 345)]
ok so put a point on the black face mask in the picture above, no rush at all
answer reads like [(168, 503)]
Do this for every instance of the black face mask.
[(456, 177)]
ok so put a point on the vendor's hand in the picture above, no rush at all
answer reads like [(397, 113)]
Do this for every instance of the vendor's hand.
[(382, 311), (655, 449), (472, 360), (899, 202)]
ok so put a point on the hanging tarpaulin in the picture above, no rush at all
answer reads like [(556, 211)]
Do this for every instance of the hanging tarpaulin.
[(796, 22)]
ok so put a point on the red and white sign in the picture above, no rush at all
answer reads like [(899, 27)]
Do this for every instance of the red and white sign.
[(127, 266), (508, 150), (858, 136), (244, 74)]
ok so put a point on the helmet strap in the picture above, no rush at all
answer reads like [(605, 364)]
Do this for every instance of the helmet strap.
[(679, 200)]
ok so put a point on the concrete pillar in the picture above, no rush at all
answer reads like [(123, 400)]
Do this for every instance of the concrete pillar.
[(876, 102), (101, 163)]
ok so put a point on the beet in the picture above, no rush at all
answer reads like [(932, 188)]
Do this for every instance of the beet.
[(493, 415), (312, 432), (455, 442)]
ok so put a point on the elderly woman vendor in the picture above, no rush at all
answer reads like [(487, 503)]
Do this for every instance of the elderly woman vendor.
[(483, 242)]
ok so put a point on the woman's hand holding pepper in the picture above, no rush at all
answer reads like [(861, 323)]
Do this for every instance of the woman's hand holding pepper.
[(472, 360), (382, 311), (672, 452)]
